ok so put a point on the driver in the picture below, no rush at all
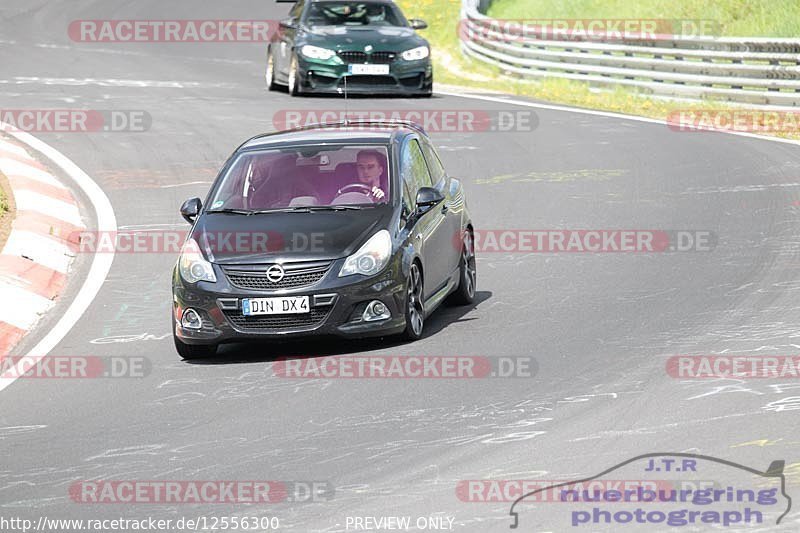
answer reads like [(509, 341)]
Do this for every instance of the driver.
[(371, 166)]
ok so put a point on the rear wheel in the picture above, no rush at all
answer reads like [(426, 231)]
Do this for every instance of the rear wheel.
[(415, 317), (194, 351), (468, 273)]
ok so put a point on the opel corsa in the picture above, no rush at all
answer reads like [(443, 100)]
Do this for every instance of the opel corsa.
[(348, 229)]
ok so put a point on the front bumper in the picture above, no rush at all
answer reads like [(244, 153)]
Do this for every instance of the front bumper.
[(405, 77), (336, 308)]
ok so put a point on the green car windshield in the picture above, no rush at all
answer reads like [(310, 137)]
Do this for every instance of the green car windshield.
[(344, 13)]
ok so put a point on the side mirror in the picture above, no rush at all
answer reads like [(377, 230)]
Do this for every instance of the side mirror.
[(190, 209), (418, 24), (288, 24), (427, 198)]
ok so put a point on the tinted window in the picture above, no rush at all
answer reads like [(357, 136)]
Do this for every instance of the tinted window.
[(414, 170), (297, 10), (348, 13), (304, 177), (434, 163)]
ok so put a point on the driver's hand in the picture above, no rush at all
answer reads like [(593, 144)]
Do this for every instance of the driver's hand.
[(378, 193)]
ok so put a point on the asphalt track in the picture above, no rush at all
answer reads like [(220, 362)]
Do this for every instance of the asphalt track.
[(600, 325)]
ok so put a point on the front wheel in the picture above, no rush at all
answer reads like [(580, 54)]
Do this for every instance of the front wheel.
[(468, 273), (194, 351), (415, 317), (294, 78), (269, 75)]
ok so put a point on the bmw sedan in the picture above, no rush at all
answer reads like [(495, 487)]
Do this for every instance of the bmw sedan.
[(329, 46), (348, 229)]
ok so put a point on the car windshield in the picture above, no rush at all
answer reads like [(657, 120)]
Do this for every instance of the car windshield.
[(304, 178), (339, 13)]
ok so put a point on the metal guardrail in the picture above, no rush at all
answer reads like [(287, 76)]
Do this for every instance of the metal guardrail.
[(747, 70)]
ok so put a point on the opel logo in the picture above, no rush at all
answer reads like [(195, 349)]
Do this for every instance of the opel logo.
[(275, 273)]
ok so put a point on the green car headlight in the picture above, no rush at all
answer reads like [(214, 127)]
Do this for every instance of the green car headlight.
[(315, 52), (415, 54)]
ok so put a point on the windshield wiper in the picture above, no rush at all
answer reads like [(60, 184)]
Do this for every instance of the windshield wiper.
[(233, 211), (297, 209), (312, 208)]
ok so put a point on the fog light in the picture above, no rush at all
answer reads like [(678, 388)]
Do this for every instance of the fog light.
[(191, 320), (376, 310)]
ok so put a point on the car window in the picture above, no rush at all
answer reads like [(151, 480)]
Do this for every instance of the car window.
[(434, 163), (349, 13), (413, 168), (305, 176), (297, 10)]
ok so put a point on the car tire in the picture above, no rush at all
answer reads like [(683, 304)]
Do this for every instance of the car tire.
[(414, 312), (269, 74), (194, 351), (293, 83), (468, 273)]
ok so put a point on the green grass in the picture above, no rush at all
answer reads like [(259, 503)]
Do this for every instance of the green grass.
[(765, 18), (4, 207), (453, 68)]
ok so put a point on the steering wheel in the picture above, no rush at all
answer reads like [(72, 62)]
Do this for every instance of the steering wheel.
[(364, 189)]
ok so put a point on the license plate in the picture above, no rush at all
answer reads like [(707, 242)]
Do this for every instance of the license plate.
[(370, 70), (289, 305)]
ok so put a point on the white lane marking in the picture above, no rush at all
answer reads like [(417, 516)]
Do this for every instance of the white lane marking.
[(26, 309), (606, 114), (113, 82), (17, 168), (14, 149), (39, 249), (101, 263), (47, 205)]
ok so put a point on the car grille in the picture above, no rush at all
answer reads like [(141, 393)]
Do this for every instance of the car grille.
[(296, 275), (378, 58), (370, 81), (278, 322)]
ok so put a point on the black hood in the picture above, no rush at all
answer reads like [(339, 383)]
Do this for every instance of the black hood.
[(286, 237)]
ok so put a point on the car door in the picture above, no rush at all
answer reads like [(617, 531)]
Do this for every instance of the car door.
[(453, 204), (430, 232)]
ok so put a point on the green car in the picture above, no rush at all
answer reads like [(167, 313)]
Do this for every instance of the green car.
[(367, 47)]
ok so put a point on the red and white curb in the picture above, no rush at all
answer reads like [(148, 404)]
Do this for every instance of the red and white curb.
[(36, 258)]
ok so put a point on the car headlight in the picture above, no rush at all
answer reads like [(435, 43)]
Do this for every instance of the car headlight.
[(415, 54), (370, 258), (192, 265), (315, 52)]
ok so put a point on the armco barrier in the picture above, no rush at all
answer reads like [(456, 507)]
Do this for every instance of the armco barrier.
[(761, 71)]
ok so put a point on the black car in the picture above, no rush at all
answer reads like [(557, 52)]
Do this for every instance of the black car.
[(368, 47), (351, 229)]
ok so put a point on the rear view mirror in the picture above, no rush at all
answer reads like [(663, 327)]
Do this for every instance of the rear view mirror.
[(190, 209), (418, 24)]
